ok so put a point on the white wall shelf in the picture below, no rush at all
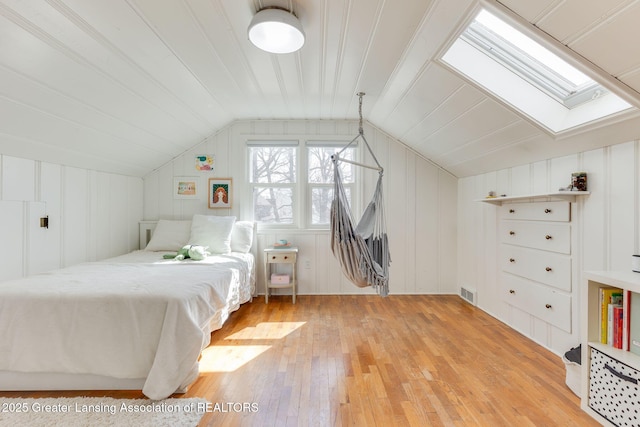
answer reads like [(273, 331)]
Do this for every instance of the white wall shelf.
[(569, 196)]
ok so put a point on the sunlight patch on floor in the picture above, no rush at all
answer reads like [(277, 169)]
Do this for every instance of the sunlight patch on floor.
[(266, 331), (228, 358)]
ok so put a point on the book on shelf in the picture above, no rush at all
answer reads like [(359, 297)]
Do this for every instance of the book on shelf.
[(607, 296), (617, 326), (626, 309), (613, 311)]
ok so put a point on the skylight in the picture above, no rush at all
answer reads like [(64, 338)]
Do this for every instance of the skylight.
[(528, 76)]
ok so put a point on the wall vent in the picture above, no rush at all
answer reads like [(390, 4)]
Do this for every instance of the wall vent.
[(468, 294)]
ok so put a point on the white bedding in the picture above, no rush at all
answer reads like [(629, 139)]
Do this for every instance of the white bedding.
[(133, 316)]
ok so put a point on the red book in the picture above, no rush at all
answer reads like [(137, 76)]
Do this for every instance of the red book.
[(617, 326), (626, 305)]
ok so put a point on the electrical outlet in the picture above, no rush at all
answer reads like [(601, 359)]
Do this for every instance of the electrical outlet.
[(307, 264)]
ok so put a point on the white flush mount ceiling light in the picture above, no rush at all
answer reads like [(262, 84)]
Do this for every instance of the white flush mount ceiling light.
[(276, 30)]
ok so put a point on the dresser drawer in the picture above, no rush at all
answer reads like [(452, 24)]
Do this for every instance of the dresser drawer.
[(537, 235), (540, 301), (613, 389), (541, 211), (550, 268)]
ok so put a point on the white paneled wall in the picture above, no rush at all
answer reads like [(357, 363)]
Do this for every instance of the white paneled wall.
[(420, 205), (92, 215), (606, 227)]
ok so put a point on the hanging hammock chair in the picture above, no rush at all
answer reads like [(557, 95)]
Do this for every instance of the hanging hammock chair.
[(363, 251)]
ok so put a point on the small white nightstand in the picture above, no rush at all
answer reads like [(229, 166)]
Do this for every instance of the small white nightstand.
[(285, 255)]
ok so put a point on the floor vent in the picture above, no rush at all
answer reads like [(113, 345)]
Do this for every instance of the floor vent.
[(469, 295)]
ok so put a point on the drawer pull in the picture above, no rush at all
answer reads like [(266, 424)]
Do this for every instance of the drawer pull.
[(548, 237), (511, 291), (619, 375), (273, 257), (547, 211), (512, 211), (286, 257), (512, 233), (548, 269), (512, 260), (547, 305)]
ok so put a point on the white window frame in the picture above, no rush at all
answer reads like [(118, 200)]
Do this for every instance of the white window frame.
[(510, 88), (354, 186), (302, 188), (295, 202), (543, 76)]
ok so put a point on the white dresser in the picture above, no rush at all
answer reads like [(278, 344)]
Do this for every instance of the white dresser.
[(535, 256)]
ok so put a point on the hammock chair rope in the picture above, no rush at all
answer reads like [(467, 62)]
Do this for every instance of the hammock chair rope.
[(363, 251)]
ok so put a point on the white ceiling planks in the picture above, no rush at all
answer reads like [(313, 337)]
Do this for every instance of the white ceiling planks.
[(483, 118), (126, 85), (566, 25), (520, 132), (596, 45), (532, 11), (176, 26), (423, 98), (599, 31), (388, 42)]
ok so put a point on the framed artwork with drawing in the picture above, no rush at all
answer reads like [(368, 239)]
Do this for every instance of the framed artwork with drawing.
[(220, 193), (186, 187)]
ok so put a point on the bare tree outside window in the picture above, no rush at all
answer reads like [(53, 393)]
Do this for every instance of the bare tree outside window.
[(278, 192), (275, 168), (320, 178)]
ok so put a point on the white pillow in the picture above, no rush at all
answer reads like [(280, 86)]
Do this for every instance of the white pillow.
[(213, 232), (242, 236), (169, 235)]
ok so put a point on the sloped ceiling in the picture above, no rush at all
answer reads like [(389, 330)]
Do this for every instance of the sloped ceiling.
[(126, 85)]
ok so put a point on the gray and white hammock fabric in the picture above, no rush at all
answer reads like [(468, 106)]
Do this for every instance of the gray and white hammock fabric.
[(363, 251)]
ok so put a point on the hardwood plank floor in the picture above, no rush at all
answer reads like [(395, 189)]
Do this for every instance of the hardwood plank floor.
[(372, 361)]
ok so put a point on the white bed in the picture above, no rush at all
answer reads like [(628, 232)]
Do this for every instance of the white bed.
[(136, 321)]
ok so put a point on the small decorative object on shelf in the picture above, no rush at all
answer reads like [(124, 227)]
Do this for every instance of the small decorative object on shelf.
[(282, 243), (579, 181), (491, 195)]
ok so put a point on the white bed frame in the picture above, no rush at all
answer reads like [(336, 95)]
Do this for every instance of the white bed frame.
[(36, 381)]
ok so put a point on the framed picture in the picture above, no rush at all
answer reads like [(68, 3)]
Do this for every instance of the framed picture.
[(220, 193), (186, 187), (204, 162)]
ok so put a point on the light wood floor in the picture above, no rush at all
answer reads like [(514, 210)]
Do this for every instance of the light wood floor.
[(372, 361)]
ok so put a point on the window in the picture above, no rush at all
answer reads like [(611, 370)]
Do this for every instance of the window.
[(530, 60), (320, 180), (293, 190), (521, 72), (272, 173)]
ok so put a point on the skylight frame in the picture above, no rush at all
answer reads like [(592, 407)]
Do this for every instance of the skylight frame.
[(540, 74), (537, 106)]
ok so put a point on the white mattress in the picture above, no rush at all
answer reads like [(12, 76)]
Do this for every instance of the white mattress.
[(133, 316)]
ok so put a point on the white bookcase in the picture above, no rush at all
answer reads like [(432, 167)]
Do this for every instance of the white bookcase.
[(625, 363)]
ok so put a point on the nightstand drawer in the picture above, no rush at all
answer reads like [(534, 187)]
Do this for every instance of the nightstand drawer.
[(280, 258)]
